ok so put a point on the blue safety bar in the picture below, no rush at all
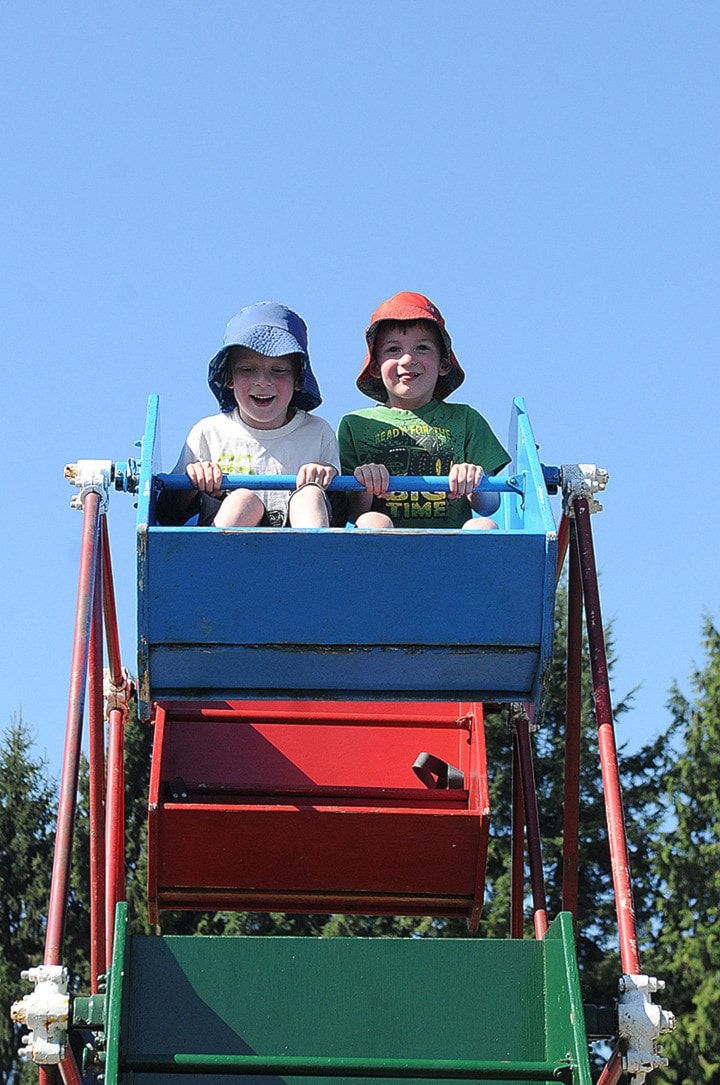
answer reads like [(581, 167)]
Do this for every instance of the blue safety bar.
[(437, 484)]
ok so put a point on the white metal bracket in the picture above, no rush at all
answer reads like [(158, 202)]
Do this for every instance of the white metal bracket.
[(90, 477), (118, 697), (521, 711), (45, 1012), (582, 480), (640, 1022)]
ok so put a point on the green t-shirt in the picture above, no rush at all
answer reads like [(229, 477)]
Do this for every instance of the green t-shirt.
[(427, 441)]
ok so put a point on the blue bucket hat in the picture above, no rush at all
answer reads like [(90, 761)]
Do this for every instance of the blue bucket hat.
[(270, 329)]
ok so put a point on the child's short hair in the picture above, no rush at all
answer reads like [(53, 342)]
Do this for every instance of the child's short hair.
[(273, 330), (296, 361), (428, 326), (403, 309)]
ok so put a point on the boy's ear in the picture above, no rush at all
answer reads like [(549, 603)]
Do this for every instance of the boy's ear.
[(445, 367), (374, 368)]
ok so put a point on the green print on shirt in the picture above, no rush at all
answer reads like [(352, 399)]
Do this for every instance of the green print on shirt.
[(419, 450), (428, 441), (426, 451), (235, 463), (417, 505), (419, 429)]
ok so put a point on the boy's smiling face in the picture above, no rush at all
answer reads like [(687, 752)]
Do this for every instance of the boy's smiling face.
[(262, 386), (409, 361)]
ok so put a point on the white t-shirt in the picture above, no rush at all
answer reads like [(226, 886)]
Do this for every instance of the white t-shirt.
[(240, 450)]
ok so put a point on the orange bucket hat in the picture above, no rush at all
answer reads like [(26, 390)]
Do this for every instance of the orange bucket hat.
[(408, 306)]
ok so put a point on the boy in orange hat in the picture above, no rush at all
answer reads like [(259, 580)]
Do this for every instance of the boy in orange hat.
[(410, 368)]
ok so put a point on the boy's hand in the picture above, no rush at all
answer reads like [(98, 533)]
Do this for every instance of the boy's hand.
[(374, 477), (463, 478), (205, 476), (321, 474)]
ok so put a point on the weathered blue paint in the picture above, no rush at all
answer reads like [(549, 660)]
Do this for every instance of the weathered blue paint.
[(432, 614)]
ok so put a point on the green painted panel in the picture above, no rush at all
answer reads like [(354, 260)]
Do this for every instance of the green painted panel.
[(116, 997), (379, 998), (470, 1007), (563, 1002)]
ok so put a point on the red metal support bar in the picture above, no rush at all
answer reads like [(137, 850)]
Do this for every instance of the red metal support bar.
[(327, 713), (96, 724), (571, 814), (532, 821), (117, 714), (69, 1070), (619, 860), (563, 540), (517, 849), (612, 1071), (110, 610), (115, 833), (60, 884)]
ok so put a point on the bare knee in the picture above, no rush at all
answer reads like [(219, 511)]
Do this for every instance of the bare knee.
[(308, 508), (241, 508), (376, 521), (480, 523)]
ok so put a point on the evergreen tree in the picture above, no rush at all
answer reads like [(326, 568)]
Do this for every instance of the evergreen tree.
[(687, 861), (27, 819), (138, 749)]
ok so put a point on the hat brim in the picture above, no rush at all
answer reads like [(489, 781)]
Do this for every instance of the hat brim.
[(371, 385), (271, 342)]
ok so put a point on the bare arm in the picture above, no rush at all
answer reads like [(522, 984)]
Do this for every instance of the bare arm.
[(463, 479), (175, 507), (321, 474), (375, 478)]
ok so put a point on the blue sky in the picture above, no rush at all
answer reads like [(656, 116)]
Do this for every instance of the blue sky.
[(546, 173)]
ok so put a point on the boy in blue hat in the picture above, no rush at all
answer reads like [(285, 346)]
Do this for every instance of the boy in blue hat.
[(264, 383)]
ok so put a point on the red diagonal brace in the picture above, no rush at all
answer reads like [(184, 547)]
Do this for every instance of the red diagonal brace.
[(617, 837), (60, 884)]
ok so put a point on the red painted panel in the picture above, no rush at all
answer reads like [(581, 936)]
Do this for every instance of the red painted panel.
[(262, 755), (314, 806), (309, 848)]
